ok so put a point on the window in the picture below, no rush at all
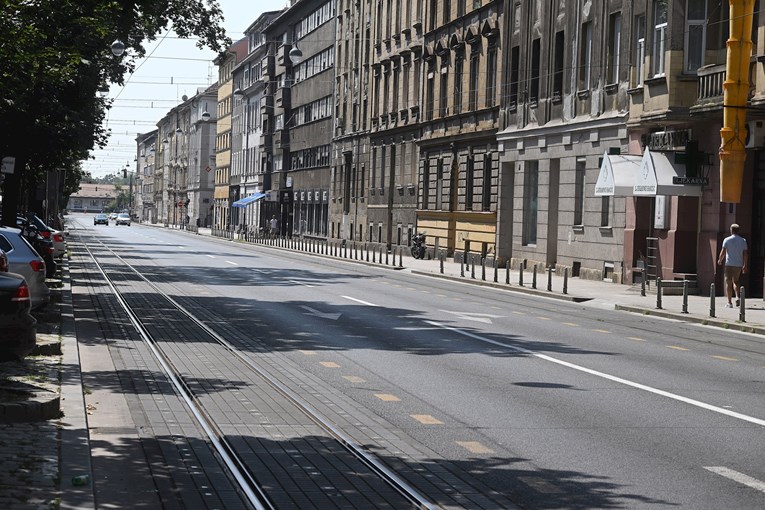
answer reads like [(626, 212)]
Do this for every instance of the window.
[(560, 39), (605, 211), (429, 94), (515, 54), (469, 179), (695, 34), (425, 187), (486, 197), (447, 7), (473, 86), (585, 57), (443, 92), (396, 91), (534, 86), (439, 185), (458, 66), (433, 12), (614, 44), (383, 163), (530, 200), (579, 188), (659, 36), (405, 91), (639, 50), (491, 74)]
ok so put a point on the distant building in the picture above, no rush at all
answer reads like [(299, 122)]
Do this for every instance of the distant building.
[(92, 198)]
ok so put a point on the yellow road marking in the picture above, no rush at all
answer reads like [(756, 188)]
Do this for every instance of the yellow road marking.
[(354, 379), (540, 484), (426, 419), (571, 324), (474, 447), (725, 358), (601, 331), (519, 313), (309, 353), (386, 397), (441, 295), (678, 348), (635, 338), (329, 364), (544, 318)]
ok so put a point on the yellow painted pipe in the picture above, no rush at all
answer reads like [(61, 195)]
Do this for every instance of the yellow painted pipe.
[(735, 97)]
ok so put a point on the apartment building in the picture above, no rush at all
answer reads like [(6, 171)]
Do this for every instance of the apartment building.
[(143, 201), (299, 114)]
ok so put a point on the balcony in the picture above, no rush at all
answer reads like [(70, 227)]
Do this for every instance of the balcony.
[(710, 88)]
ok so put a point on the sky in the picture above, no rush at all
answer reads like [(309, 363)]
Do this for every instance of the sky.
[(173, 67)]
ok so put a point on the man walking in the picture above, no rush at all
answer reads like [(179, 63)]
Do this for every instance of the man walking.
[(735, 255)]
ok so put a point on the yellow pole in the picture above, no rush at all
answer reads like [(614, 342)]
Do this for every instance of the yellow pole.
[(736, 94)]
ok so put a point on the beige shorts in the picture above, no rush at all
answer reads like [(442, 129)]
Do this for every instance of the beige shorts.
[(732, 274)]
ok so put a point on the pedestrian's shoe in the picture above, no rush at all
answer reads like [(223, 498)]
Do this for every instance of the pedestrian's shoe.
[(738, 302), (729, 305)]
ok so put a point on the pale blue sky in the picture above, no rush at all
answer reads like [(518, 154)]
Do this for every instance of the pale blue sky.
[(175, 67)]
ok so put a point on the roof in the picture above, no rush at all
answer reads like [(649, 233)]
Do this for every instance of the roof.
[(88, 190)]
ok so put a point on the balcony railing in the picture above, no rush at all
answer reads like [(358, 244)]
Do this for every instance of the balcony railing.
[(711, 79)]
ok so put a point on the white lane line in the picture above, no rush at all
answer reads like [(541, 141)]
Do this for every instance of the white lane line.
[(737, 477), (211, 256), (232, 263), (632, 384), (359, 301), (304, 284)]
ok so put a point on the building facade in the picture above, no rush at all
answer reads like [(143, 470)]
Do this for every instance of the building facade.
[(143, 178)]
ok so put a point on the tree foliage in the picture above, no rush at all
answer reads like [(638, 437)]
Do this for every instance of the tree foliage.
[(55, 56)]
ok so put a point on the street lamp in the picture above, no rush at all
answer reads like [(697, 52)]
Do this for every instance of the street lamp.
[(118, 48), (295, 54)]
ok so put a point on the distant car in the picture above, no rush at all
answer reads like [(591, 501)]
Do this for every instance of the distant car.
[(113, 216), (24, 260), (18, 329), (100, 219), (123, 219)]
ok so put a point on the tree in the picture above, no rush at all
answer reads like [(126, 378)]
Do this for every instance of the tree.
[(54, 57)]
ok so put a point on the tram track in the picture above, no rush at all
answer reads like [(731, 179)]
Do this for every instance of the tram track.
[(252, 489)]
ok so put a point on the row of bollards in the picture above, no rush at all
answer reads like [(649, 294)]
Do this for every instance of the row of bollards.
[(712, 309)]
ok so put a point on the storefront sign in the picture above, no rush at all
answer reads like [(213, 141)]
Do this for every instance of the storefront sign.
[(693, 181), (667, 140)]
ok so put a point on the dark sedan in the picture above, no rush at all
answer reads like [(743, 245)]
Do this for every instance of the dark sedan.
[(18, 329), (100, 219)]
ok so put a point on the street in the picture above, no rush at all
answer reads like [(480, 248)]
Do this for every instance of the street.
[(478, 397)]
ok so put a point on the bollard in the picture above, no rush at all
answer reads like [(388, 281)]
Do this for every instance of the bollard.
[(472, 270), (400, 256), (658, 293), (642, 281), (534, 277), (742, 306), (441, 261), (483, 269), (685, 296), (549, 279), (520, 274), (345, 251), (366, 247), (712, 300), (494, 263), (507, 272), (565, 280), (386, 256), (374, 255), (462, 268)]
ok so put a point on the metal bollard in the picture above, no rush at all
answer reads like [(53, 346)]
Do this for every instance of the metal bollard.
[(520, 274), (374, 255), (401, 256), (345, 251), (366, 247), (462, 268), (642, 282), (534, 277), (742, 303), (565, 280), (507, 272), (549, 279), (386, 256), (658, 293), (495, 269), (483, 269), (441, 261), (472, 270), (712, 300), (685, 296)]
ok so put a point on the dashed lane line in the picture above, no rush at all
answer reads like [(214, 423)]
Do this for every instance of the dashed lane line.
[(609, 377), (308, 353), (475, 447), (636, 338), (678, 348), (354, 379), (601, 331), (232, 263), (387, 397), (737, 477), (329, 364), (725, 358), (544, 318), (571, 324), (426, 419), (367, 303)]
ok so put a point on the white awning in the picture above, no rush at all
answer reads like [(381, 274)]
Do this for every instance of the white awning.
[(658, 176), (617, 175)]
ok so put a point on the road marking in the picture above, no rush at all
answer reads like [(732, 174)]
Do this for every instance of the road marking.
[(603, 375), (478, 317), (519, 313), (544, 318), (317, 313), (426, 419), (211, 256), (678, 348), (308, 353), (571, 324), (354, 379), (232, 263), (540, 484), (387, 397), (475, 447), (635, 338), (737, 477), (601, 331), (359, 301), (329, 364), (725, 358)]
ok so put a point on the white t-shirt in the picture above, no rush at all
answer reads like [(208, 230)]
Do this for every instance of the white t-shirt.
[(735, 246)]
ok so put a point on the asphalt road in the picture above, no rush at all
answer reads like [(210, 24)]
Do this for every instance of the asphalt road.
[(549, 403)]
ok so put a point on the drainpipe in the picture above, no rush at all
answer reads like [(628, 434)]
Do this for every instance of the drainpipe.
[(736, 92)]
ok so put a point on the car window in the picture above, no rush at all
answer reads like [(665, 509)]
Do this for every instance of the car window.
[(5, 244)]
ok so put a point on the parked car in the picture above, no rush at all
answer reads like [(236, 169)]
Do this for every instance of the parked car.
[(24, 260), (18, 329), (100, 219), (3, 262), (113, 216), (40, 236), (59, 244), (123, 219)]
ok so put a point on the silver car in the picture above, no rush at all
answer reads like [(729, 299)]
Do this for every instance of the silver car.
[(24, 260)]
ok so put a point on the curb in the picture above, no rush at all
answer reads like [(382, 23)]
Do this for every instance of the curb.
[(704, 321)]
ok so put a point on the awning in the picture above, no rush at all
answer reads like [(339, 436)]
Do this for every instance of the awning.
[(660, 176), (242, 202), (617, 175)]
